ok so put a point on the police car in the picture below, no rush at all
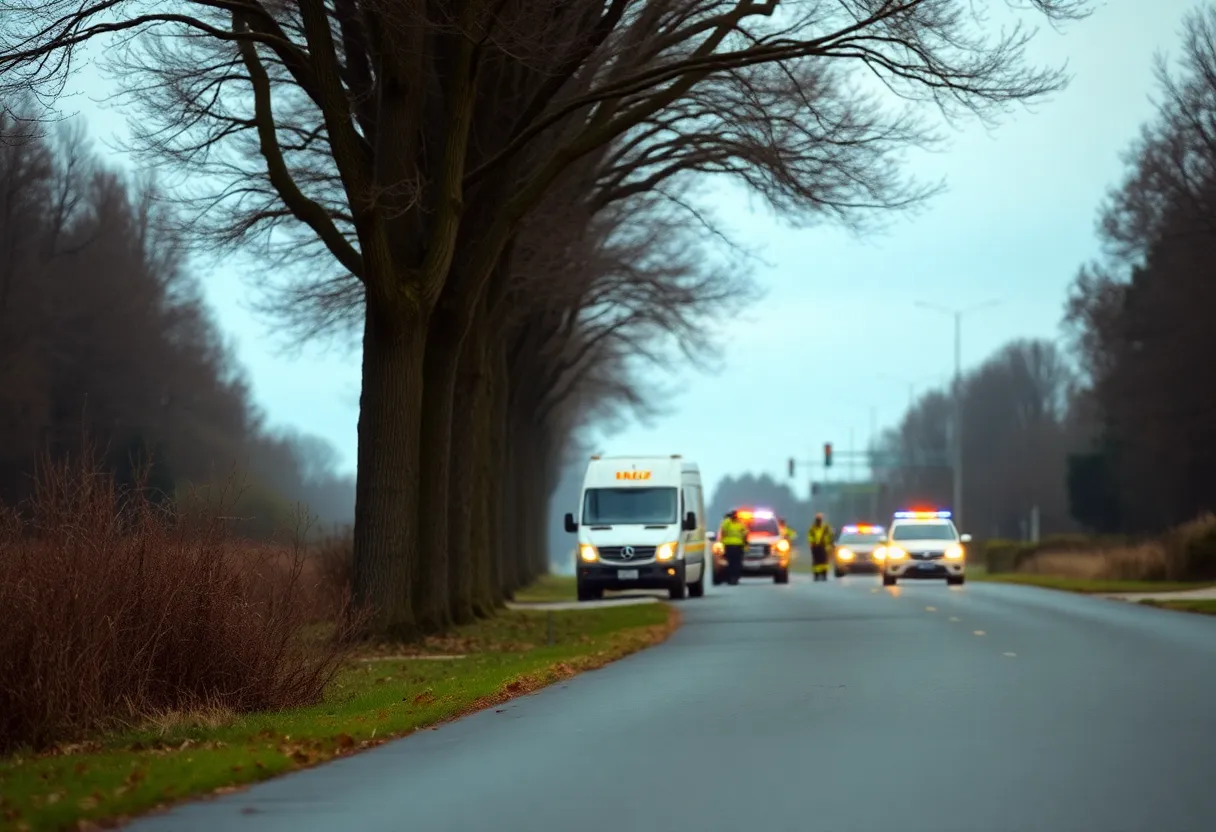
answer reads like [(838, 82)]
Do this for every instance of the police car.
[(855, 549), (923, 545)]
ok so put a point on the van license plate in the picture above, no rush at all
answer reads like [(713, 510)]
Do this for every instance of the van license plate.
[(626, 574)]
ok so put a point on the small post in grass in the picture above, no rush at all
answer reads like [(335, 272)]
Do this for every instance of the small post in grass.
[(549, 626)]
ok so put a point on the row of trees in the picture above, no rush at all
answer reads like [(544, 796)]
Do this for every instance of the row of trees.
[(103, 336), (1140, 316), (1119, 434), (1020, 422), (500, 194)]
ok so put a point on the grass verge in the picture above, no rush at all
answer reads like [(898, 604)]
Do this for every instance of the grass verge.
[(386, 693), (549, 588), (1203, 606), (1084, 585)]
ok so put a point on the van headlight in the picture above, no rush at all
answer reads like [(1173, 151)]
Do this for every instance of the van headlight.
[(955, 552), (666, 552), (587, 553), (895, 553), (844, 554)]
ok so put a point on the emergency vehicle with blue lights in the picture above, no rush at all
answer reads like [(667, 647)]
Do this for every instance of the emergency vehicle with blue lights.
[(923, 545), (855, 549), (768, 553)]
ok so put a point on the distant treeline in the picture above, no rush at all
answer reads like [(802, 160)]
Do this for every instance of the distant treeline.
[(1111, 429), (105, 340), (1114, 432)]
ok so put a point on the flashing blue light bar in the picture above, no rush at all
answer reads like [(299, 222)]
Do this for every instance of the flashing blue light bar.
[(763, 514), (922, 515), (849, 530)]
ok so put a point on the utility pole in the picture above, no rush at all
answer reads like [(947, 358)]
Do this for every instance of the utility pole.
[(957, 433)]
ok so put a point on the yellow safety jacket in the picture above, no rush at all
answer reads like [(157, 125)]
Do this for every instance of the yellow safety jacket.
[(789, 534), (733, 533), (820, 535)]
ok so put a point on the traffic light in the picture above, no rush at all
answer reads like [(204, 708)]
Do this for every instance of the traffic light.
[(791, 467), (827, 454)]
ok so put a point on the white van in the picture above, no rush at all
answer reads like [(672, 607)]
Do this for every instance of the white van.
[(640, 525)]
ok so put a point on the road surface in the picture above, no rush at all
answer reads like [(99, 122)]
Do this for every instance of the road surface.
[(837, 707)]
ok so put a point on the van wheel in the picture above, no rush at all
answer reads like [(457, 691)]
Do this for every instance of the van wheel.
[(717, 577), (589, 593), (782, 577), (951, 580), (697, 588), (888, 580), (678, 590)]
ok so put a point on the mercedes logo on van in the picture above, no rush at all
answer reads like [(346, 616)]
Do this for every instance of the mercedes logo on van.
[(627, 553)]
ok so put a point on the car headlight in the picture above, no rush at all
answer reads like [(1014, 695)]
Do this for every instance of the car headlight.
[(719, 549), (588, 554), (895, 553), (955, 552), (783, 546), (880, 553), (667, 551), (844, 554)]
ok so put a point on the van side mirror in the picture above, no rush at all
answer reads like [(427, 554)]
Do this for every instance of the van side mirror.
[(690, 521), (571, 526), (965, 538)]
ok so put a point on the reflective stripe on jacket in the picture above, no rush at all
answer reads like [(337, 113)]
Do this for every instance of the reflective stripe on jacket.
[(733, 533), (820, 535)]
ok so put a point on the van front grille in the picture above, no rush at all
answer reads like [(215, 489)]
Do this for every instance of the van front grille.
[(635, 553)]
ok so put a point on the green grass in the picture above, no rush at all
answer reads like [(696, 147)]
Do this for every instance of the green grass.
[(1203, 606), (385, 694), (549, 588), (1085, 585)]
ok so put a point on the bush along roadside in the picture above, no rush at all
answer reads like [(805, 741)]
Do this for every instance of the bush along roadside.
[(384, 693), (1184, 555), (1203, 606)]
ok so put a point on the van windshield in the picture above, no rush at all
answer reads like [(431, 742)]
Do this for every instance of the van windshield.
[(630, 506)]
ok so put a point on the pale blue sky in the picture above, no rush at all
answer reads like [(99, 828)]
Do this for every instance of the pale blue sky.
[(1015, 224)]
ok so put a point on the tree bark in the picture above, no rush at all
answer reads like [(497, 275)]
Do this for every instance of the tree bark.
[(468, 545), (442, 359), (386, 492), (493, 487)]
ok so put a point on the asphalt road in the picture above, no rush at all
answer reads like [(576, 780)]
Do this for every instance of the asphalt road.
[(837, 707)]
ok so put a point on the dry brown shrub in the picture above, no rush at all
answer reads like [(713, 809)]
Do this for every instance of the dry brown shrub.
[(116, 611), (1143, 562)]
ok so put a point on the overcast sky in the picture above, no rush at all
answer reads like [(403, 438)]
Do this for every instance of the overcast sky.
[(1016, 222)]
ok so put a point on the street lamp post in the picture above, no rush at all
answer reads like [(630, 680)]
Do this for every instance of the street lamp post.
[(957, 433)]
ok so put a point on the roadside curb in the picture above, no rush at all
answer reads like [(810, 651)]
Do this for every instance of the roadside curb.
[(582, 605)]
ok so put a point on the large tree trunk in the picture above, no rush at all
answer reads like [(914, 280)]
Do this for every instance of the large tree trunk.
[(527, 479), (493, 486), (468, 543), (386, 493), (442, 359)]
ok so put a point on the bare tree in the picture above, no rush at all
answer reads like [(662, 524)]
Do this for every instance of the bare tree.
[(1139, 317), (445, 124)]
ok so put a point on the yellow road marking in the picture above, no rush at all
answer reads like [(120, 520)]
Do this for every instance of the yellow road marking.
[(980, 633), (952, 618), (930, 609)]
